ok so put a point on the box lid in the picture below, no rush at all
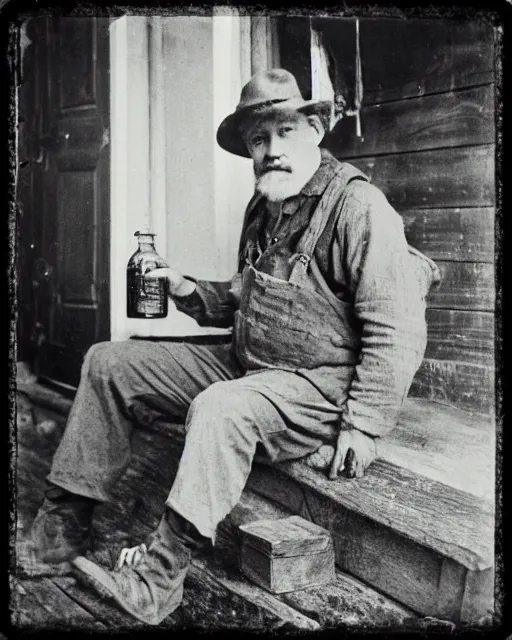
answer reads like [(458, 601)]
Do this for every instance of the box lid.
[(292, 536)]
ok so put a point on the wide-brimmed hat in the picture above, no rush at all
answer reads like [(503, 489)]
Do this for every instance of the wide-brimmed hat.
[(266, 91)]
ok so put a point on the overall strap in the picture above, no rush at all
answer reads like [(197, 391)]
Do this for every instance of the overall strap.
[(324, 209), (248, 243)]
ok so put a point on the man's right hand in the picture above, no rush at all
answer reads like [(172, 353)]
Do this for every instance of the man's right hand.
[(179, 286)]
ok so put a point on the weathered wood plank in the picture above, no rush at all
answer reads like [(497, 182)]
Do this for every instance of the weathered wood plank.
[(452, 234), (460, 335), (453, 177), (449, 522), (451, 119), (452, 578), (444, 444), (54, 609), (348, 602), (462, 384), (381, 557), (439, 55), (392, 562), (105, 611), (465, 286), (45, 397), (478, 596), (442, 55), (26, 611), (218, 578)]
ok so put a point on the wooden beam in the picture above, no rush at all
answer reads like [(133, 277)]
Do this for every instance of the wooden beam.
[(385, 556), (412, 57), (460, 335), (435, 178), (130, 197), (451, 119), (157, 128), (464, 285), (460, 234), (478, 598), (260, 59)]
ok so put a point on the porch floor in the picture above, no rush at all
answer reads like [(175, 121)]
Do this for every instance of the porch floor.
[(216, 595)]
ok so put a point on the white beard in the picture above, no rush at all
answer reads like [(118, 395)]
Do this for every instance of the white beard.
[(276, 186)]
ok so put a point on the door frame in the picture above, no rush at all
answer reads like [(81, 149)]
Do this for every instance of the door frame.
[(138, 148)]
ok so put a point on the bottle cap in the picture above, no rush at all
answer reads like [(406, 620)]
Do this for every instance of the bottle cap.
[(146, 231)]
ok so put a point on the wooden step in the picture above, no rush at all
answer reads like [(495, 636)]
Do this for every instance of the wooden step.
[(419, 526), (216, 577), (345, 602), (402, 527)]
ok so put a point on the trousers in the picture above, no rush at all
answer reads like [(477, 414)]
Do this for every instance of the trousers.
[(230, 416)]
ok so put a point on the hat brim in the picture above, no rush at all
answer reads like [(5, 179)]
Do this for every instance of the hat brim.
[(228, 133)]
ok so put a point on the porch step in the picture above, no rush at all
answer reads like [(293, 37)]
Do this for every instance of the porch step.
[(215, 587), (418, 527), (346, 602), (403, 528), (215, 577)]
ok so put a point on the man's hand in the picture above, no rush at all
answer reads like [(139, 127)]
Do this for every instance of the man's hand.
[(355, 451), (178, 285)]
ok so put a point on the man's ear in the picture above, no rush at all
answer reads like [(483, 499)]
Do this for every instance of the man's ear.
[(316, 124)]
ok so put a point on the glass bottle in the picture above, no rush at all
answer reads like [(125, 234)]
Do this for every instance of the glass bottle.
[(146, 298)]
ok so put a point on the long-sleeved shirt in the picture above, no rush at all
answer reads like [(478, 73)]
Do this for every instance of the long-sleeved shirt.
[(365, 259)]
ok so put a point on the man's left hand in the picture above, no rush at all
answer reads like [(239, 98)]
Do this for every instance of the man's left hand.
[(355, 451)]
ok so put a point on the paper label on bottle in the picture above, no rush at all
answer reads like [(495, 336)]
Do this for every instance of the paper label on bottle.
[(149, 295)]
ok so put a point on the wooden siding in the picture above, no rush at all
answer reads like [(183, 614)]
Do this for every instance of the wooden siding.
[(428, 141)]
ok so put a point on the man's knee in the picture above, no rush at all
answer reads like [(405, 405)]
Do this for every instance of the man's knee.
[(225, 404), (216, 399), (104, 359), (221, 402)]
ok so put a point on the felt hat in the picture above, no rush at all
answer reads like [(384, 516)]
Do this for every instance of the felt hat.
[(266, 91)]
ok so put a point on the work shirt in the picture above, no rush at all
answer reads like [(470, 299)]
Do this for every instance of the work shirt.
[(364, 258)]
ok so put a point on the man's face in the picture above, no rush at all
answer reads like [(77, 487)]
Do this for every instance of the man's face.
[(284, 149)]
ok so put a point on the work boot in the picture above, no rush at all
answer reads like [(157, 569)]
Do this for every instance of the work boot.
[(147, 580), (60, 531)]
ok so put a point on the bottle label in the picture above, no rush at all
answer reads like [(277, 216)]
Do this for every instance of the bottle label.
[(147, 297)]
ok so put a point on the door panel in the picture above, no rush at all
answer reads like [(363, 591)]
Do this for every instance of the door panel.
[(76, 63), (77, 235)]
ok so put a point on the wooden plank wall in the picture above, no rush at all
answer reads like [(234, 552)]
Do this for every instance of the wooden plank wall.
[(428, 141)]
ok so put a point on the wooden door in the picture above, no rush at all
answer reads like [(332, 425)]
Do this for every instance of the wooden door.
[(65, 201)]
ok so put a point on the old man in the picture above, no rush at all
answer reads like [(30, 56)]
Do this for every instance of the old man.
[(328, 316)]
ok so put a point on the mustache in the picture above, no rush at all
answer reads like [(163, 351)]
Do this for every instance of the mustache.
[(267, 168)]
